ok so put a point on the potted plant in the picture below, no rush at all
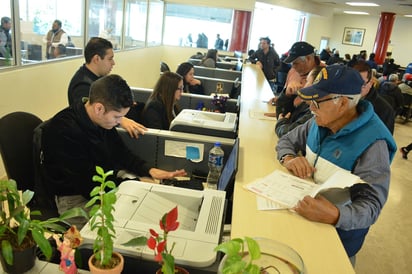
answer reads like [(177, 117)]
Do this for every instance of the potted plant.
[(19, 233), (159, 243), (234, 261), (103, 198)]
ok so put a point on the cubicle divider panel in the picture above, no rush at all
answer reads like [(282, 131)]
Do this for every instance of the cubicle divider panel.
[(218, 73), (145, 146), (197, 167), (188, 100), (210, 85), (152, 148), (141, 94)]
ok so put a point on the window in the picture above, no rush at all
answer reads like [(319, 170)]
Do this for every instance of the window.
[(195, 26), (37, 17), (155, 23), (6, 35), (105, 20), (135, 17)]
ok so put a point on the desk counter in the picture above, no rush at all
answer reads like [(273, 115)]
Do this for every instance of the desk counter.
[(318, 244)]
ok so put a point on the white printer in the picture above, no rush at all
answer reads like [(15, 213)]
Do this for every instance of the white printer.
[(140, 206), (206, 123)]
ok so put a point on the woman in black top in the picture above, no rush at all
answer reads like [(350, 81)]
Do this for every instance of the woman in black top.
[(161, 108), (190, 84)]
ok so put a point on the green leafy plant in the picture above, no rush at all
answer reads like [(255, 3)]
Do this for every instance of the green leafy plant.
[(235, 256), (17, 230), (158, 242), (103, 198)]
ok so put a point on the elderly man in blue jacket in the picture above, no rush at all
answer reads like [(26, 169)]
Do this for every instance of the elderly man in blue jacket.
[(344, 134)]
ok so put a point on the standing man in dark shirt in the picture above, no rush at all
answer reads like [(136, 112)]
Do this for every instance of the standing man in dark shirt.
[(267, 59), (99, 57), (83, 136)]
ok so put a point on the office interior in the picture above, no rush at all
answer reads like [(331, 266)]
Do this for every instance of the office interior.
[(42, 89)]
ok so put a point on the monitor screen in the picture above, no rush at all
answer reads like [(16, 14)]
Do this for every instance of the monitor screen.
[(227, 177)]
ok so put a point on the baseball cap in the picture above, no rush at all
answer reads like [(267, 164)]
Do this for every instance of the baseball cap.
[(337, 79), (299, 49)]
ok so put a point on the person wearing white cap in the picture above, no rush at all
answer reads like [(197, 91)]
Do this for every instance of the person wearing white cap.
[(345, 134)]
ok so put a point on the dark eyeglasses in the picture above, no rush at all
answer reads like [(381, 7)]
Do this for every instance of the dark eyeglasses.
[(316, 103), (180, 88)]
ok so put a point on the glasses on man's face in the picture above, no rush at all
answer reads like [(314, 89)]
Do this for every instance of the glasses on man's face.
[(316, 103)]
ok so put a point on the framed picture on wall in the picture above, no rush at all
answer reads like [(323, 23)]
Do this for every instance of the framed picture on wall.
[(353, 36)]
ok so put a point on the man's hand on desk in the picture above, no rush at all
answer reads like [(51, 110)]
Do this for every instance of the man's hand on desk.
[(133, 128), (299, 166), (318, 209), (159, 174)]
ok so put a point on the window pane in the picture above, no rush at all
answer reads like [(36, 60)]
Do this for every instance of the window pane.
[(6, 35), (154, 36), (37, 18), (105, 20), (200, 25), (136, 14)]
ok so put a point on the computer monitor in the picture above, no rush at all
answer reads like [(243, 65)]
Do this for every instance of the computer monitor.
[(227, 177)]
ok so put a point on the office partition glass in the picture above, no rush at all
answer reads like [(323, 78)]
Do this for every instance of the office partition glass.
[(196, 26), (135, 23), (155, 23), (36, 20), (6, 35), (106, 20)]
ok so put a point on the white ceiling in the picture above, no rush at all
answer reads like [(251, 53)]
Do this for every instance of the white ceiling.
[(400, 7)]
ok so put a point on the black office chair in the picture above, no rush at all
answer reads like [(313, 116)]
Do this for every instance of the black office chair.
[(19, 157), (164, 67), (407, 107), (16, 147)]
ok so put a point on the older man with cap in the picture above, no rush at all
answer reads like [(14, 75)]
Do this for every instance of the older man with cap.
[(302, 58), (344, 134)]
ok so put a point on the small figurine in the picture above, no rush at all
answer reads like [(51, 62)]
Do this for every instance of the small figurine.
[(71, 240)]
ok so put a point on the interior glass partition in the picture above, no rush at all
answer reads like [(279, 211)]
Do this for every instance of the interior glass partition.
[(135, 23)]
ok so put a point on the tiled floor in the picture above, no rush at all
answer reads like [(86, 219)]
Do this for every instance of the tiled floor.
[(388, 246)]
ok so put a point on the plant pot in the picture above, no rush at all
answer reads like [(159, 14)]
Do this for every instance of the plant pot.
[(275, 257), (116, 270), (178, 270), (23, 261)]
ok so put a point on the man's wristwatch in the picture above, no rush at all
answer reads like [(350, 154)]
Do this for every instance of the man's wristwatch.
[(283, 158)]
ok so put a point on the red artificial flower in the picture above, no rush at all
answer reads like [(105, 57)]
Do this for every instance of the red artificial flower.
[(169, 221)]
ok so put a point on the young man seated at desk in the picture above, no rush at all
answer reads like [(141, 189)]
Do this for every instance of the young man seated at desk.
[(79, 138)]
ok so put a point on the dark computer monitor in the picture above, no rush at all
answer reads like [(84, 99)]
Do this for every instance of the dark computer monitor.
[(227, 177)]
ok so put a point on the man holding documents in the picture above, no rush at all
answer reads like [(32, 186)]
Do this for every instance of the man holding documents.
[(345, 134)]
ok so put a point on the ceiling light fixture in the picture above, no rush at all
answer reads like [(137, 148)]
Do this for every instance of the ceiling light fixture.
[(356, 12), (408, 15), (362, 4)]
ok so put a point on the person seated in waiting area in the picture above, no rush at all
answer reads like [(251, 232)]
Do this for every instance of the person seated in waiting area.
[(210, 59), (345, 134), (190, 84), (161, 107), (83, 136), (392, 93), (301, 113), (381, 107), (99, 57)]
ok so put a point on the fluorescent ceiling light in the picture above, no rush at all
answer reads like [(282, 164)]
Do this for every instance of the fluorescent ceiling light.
[(356, 12), (362, 4)]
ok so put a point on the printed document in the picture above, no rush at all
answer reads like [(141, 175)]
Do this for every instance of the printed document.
[(285, 189)]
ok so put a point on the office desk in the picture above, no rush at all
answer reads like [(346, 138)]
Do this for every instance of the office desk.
[(318, 244)]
